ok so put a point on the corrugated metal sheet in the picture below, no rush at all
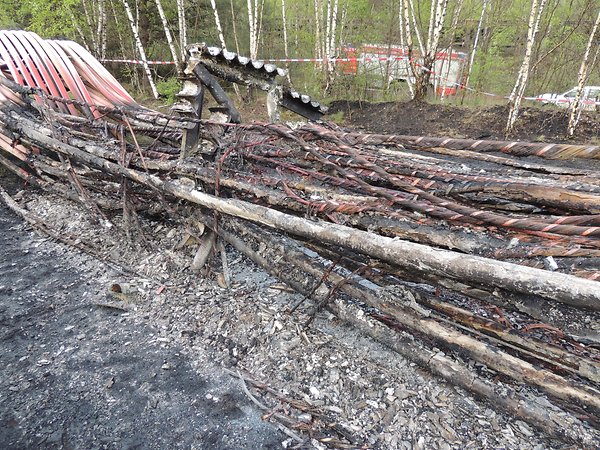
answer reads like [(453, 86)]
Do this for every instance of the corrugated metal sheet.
[(264, 70), (261, 67)]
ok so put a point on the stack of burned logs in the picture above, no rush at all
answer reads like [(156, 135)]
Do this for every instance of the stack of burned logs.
[(469, 258)]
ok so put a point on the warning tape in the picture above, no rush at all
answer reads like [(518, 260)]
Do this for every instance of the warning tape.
[(383, 58), (447, 81), (136, 61)]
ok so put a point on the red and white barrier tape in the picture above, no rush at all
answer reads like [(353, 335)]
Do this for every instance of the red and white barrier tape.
[(365, 59), (136, 61), (382, 58)]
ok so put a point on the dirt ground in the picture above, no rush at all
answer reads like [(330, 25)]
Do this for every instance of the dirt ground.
[(76, 373), (424, 119)]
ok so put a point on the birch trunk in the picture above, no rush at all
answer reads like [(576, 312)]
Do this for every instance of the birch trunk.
[(582, 77), (329, 41), (343, 22), (101, 29), (88, 20), (218, 24), (259, 13), (285, 40), (318, 31), (404, 42), (416, 28), (134, 73), (436, 23), (253, 29), (409, 42), (476, 41), (140, 47), (163, 18), (325, 44), (233, 22), (518, 91), (182, 27), (79, 31), (333, 31)]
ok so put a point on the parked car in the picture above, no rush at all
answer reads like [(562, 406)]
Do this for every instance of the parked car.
[(590, 98)]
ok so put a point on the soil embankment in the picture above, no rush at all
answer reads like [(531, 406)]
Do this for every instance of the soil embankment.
[(424, 119)]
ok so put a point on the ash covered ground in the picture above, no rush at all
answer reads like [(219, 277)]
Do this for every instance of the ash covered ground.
[(77, 372), (87, 366)]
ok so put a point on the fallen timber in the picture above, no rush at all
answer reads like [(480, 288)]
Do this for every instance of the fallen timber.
[(429, 241)]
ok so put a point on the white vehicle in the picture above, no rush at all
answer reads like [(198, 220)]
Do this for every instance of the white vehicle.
[(590, 98)]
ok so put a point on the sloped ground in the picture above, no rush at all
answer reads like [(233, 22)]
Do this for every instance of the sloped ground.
[(424, 119)]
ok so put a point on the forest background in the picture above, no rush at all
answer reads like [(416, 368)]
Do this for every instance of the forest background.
[(514, 47)]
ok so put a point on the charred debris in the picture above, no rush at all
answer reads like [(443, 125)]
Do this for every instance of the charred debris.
[(440, 241)]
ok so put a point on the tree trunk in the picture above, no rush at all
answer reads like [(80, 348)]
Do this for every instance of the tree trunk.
[(436, 23), (168, 35), (582, 77), (476, 41), (416, 28), (406, 8), (90, 24), (140, 48), (182, 27), (285, 40), (252, 25), (79, 31), (518, 91), (101, 29), (318, 30), (218, 24), (455, 19), (233, 22)]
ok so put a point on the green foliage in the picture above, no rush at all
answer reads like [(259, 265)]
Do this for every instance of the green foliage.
[(168, 88), (563, 35), (49, 18)]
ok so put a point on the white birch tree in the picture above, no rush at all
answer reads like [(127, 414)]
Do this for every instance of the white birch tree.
[(79, 31), (330, 41), (416, 29), (406, 20), (436, 23), (88, 19), (163, 18), (140, 47), (101, 29), (318, 30), (484, 7), (516, 96), (455, 18), (405, 39), (218, 24), (285, 40), (582, 77), (182, 27), (233, 22), (255, 10)]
